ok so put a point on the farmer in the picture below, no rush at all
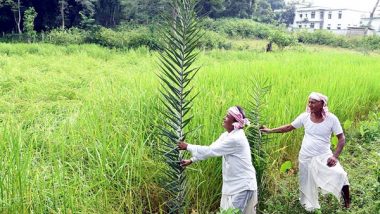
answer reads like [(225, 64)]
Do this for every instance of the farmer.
[(318, 165), (239, 189)]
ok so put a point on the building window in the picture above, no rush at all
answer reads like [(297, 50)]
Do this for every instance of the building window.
[(312, 25), (321, 15), (329, 16), (328, 26), (313, 14), (340, 15), (300, 15), (339, 27), (299, 26), (306, 15)]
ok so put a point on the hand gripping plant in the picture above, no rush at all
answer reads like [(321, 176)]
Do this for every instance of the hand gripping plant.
[(180, 34)]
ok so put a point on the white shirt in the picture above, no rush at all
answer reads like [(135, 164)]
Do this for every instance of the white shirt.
[(316, 140), (238, 171)]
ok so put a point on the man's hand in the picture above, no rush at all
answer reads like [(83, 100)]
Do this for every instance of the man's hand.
[(264, 129), (185, 163), (182, 145), (332, 161)]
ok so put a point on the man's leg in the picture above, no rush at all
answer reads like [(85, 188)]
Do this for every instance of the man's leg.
[(346, 196)]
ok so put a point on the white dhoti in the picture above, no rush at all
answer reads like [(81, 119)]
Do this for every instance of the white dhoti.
[(313, 174), (245, 201)]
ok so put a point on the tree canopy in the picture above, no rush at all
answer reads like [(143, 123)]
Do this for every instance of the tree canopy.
[(65, 14)]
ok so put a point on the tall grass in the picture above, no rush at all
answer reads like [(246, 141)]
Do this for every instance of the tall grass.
[(76, 122)]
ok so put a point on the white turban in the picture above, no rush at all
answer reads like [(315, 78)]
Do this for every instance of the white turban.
[(319, 97)]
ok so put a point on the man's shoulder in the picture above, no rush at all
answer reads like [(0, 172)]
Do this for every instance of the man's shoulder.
[(332, 116)]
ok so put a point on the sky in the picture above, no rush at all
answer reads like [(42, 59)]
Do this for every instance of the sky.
[(364, 5)]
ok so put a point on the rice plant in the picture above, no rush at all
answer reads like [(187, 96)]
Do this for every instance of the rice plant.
[(181, 36)]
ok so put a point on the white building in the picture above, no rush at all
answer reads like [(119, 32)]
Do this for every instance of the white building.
[(375, 24), (335, 20)]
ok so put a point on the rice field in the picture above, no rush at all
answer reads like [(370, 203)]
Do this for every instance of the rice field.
[(77, 123)]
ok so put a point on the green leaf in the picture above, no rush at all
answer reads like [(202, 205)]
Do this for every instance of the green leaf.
[(287, 165), (347, 124)]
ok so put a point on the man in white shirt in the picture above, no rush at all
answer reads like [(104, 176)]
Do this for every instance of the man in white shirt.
[(239, 189), (318, 166)]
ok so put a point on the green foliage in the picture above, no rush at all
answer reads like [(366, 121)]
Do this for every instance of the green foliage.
[(67, 36), (286, 166), (368, 42), (243, 28), (263, 12), (282, 39), (213, 40), (87, 126), (180, 36), (334, 142), (369, 130), (323, 37), (126, 39), (238, 8), (230, 211), (29, 16), (286, 16), (257, 141)]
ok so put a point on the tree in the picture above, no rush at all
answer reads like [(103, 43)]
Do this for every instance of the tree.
[(87, 13), (239, 8), (62, 11), (371, 17), (109, 13), (15, 6), (286, 16), (29, 16), (276, 4), (263, 12), (211, 8), (145, 11), (181, 34)]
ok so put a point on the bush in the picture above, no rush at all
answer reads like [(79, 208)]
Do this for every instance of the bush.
[(65, 37), (323, 37), (369, 42), (211, 40), (282, 39), (126, 39), (243, 28)]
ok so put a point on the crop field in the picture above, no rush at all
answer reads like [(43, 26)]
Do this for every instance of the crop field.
[(78, 123)]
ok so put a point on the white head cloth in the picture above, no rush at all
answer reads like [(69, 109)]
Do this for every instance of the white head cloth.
[(319, 97)]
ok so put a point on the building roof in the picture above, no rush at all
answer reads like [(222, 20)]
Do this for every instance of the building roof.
[(359, 28), (327, 8), (367, 18)]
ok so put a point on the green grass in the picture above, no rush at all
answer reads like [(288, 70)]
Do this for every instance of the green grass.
[(78, 122)]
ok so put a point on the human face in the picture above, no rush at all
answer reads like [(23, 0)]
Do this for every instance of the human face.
[(228, 121), (315, 105)]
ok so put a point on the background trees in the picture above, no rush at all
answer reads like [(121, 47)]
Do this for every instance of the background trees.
[(65, 14)]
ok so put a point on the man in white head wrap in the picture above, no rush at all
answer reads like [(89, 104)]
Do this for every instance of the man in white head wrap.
[(318, 165), (239, 189)]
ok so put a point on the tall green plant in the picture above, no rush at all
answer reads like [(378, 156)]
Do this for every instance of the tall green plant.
[(29, 16), (181, 34), (255, 138)]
